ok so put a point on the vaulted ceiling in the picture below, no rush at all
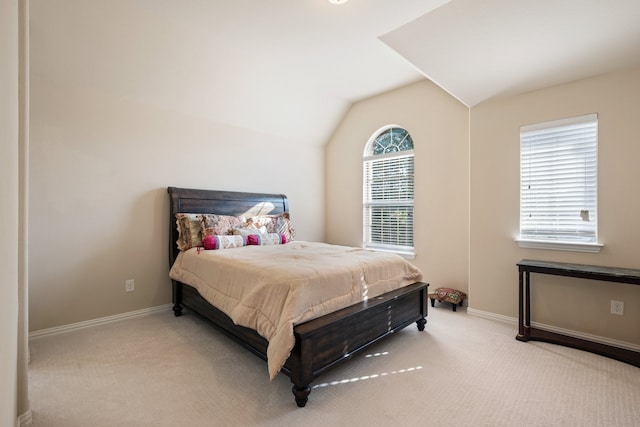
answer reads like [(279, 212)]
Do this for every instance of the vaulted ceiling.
[(477, 50), (292, 68)]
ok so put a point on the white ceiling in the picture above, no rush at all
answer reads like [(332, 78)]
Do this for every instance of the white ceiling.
[(477, 50), (292, 68)]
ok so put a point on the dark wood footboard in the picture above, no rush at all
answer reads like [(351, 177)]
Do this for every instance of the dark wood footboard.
[(328, 340)]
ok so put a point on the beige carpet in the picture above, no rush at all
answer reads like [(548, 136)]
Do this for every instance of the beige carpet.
[(159, 370)]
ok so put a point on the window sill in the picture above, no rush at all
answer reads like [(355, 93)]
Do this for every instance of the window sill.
[(405, 255), (560, 246)]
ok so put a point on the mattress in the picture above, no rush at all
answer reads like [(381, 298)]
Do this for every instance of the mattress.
[(272, 288)]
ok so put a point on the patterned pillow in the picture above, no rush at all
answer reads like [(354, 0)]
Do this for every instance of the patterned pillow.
[(259, 236), (224, 242), (189, 231), (249, 231), (274, 239), (219, 225), (280, 223)]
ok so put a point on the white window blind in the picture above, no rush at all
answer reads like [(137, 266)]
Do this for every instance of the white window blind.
[(558, 180), (388, 201)]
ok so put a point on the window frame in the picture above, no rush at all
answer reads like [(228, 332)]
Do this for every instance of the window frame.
[(566, 151), (377, 202)]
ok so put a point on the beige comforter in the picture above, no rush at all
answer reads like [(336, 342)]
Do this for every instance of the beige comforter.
[(272, 288)]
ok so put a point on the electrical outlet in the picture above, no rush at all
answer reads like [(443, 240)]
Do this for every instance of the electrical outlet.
[(617, 307), (130, 285)]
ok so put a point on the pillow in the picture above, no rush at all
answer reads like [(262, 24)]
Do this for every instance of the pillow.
[(253, 236), (223, 242), (259, 236), (219, 225), (254, 240), (249, 231), (274, 239), (280, 223), (189, 231)]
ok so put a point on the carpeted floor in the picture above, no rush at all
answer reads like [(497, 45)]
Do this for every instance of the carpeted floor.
[(159, 370)]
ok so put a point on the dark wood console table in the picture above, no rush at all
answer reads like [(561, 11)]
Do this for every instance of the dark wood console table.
[(609, 274)]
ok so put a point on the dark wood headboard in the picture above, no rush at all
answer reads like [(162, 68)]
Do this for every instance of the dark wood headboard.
[(186, 200)]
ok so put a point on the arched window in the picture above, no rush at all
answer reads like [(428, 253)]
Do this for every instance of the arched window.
[(388, 191)]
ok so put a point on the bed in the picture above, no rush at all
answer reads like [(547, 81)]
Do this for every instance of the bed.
[(318, 343)]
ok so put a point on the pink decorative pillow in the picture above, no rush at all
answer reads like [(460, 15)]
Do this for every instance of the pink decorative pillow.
[(209, 242), (253, 239), (259, 239), (223, 242)]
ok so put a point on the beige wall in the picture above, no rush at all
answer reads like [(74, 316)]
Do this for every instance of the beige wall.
[(438, 126), (100, 162), (445, 178), (577, 305), (99, 167)]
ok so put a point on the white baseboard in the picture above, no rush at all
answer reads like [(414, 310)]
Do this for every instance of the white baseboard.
[(94, 322), (25, 419), (492, 316), (568, 332)]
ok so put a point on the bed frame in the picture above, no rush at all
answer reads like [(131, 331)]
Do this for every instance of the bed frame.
[(320, 343)]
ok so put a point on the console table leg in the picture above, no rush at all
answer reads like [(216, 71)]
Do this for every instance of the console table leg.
[(527, 303), (521, 305)]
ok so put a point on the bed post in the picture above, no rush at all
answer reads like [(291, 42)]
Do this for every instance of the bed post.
[(177, 298), (424, 296), (300, 364), (301, 394)]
